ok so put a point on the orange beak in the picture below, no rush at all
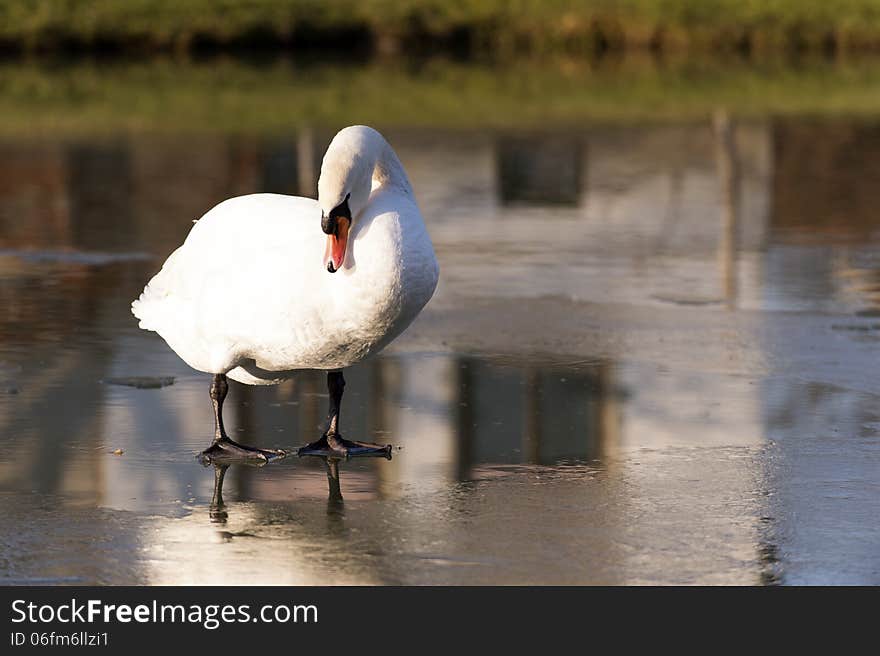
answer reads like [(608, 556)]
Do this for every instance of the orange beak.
[(334, 254)]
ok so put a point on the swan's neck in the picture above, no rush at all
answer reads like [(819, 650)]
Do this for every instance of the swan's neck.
[(388, 172)]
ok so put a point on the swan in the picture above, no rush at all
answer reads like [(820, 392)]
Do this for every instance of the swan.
[(266, 285)]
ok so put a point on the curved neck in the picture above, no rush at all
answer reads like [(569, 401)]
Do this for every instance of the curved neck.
[(388, 171)]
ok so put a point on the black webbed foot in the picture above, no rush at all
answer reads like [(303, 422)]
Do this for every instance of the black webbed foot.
[(224, 451), (332, 445)]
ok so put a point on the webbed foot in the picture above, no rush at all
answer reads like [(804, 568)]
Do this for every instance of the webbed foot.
[(225, 450), (332, 445)]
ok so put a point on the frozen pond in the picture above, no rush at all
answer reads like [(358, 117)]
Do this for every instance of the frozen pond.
[(652, 358)]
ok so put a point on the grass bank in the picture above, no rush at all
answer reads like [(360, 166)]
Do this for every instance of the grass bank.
[(495, 26), (234, 96)]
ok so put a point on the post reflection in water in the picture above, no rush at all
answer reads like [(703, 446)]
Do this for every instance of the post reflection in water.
[(532, 415), (655, 368), (728, 173)]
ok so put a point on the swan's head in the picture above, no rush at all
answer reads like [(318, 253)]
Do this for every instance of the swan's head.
[(344, 187), (336, 224)]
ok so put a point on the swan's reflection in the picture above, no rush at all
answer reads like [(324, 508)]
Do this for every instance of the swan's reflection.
[(218, 514), (335, 496), (254, 539), (335, 503), (217, 509)]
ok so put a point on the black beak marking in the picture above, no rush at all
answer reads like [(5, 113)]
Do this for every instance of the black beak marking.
[(330, 223)]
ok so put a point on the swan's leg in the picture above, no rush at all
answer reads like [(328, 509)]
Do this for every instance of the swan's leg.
[(223, 449), (332, 444)]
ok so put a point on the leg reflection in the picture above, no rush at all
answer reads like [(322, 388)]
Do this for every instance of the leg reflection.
[(217, 511), (332, 465), (335, 503)]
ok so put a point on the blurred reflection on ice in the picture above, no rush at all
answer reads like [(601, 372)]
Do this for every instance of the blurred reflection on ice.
[(651, 363)]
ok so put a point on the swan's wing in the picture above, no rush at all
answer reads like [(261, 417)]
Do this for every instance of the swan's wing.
[(249, 269)]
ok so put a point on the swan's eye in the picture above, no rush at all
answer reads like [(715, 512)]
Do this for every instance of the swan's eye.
[(341, 209), (330, 221)]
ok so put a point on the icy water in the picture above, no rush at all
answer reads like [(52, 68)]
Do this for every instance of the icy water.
[(652, 358)]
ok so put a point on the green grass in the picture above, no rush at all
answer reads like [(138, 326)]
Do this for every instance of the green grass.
[(231, 96), (484, 25)]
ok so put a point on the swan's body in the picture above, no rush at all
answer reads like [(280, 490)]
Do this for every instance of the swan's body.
[(247, 294)]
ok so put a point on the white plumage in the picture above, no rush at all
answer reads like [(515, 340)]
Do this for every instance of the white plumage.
[(248, 294)]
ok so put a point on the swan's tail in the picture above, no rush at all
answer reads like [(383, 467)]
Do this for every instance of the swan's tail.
[(154, 305), (145, 309)]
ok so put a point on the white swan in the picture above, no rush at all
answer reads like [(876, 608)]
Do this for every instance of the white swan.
[(265, 284)]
